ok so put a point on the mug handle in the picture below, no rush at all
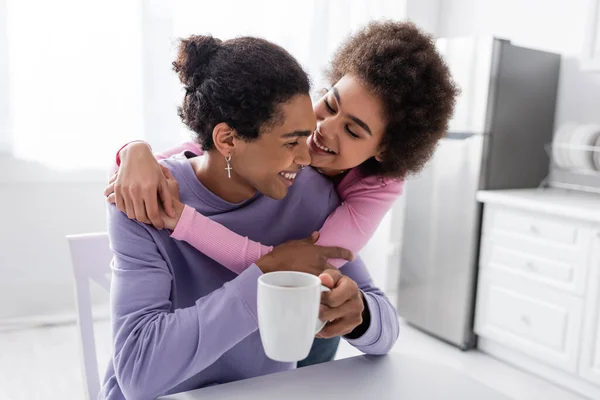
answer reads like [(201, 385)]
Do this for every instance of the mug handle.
[(321, 324)]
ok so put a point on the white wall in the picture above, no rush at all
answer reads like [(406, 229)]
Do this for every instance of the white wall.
[(39, 207), (42, 205), (5, 139), (551, 25)]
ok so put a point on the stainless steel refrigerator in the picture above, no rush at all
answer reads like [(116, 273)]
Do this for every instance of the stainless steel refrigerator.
[(503, 119)]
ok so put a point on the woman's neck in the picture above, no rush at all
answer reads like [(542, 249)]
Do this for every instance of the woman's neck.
[(211, 171), (333, 174)]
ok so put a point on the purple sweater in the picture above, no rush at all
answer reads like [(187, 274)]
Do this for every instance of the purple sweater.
[(181, 321)]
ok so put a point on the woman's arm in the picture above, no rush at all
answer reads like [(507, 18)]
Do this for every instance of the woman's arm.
[(138, 182), (349, 226), (353, 223), (181, 148)]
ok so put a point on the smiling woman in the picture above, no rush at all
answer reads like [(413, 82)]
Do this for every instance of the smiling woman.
[(351, 110), (391, 100)]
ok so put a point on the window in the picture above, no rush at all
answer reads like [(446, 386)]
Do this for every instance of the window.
[(86, 76)]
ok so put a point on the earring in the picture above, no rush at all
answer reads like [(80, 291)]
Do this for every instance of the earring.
[(228, 161)]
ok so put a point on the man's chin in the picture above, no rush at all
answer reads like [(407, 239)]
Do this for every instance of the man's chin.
[(277, 193)]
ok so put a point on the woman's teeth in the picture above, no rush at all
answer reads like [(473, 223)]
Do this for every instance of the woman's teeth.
[(319, 145), (288, 175)]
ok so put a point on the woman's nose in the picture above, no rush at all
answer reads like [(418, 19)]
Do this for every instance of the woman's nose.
[(323, 128)]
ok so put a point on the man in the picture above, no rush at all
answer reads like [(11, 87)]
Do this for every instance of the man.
[(182, 321)]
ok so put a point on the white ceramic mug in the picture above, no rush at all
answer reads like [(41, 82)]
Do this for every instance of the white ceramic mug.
[(288, 314)]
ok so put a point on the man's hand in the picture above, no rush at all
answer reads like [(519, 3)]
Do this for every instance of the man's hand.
[(302, 256), (343, 306)]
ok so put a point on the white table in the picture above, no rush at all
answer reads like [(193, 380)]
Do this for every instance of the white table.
[(394, 376)]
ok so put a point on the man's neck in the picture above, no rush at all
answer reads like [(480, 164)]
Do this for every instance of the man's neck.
[(210, 169)]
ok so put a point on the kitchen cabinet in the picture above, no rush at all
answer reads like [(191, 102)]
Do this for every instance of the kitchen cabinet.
[(538, 292)]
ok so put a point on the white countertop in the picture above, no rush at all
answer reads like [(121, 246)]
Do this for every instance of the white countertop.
[(561, 202), (394, 376)]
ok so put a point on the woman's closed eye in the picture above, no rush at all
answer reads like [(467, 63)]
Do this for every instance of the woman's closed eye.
[(354, 135), (329, 108)]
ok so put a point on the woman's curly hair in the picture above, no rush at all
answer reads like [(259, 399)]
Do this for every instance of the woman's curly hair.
[(242, 82), (400, 65)]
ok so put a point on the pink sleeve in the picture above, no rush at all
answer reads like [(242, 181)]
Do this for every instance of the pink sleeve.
[(187, 146), (209, 237), (365, 203), (218, 242), (351, 225)]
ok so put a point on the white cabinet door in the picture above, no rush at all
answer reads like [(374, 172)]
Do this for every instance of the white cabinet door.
[(533, 319), (589, 365)]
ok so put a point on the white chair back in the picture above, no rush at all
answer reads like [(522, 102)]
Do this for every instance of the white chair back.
[(90, 257)]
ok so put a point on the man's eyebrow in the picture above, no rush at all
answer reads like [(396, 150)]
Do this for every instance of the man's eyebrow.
[(296, 134)]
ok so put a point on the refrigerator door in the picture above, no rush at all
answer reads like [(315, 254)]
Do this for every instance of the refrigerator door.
[(440, 241)]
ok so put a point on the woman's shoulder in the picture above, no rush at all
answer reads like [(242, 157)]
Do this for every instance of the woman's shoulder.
[(355, 180)]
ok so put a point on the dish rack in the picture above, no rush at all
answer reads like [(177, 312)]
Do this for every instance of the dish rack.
[(573, 177)]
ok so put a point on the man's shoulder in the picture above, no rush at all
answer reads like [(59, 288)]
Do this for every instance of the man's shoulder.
[(310, 181), (313, 190), (176, 163)]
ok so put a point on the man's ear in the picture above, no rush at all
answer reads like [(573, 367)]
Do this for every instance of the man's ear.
[(223, 138)]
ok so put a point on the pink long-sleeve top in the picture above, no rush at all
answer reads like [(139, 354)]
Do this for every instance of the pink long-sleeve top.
[(365, 201)]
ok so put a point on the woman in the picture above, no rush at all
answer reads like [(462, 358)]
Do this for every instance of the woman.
[(180, 320), (390, 103)]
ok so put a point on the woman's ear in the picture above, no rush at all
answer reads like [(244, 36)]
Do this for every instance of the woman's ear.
[(223, 136), (379, 156)]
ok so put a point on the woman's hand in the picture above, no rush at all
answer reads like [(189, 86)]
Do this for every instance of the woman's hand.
[(303, 256), (139, 184), (173, 187)]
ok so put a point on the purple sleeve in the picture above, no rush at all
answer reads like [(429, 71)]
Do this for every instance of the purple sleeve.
[(155, 346), (384, 328)]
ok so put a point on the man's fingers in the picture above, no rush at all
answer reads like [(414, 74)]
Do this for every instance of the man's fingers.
[(343, 290), (333, 273), (337, 252), (340, 327), (327, 280), (332, 313)]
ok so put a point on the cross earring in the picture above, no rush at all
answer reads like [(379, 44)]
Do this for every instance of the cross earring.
[(228, 168)]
